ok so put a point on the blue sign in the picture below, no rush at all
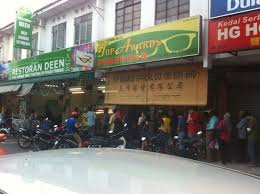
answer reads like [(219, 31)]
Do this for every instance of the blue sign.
[(220, 8)]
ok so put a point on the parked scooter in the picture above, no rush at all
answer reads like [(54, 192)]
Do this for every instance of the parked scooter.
[(25, 137), (112, 139), (193, 148), (46, 139), (5, 129)]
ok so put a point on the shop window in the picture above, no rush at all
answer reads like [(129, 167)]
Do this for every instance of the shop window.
[(83, 29), (34, 50), (17, 54), (58, 36), (169, 10), (128, 16)]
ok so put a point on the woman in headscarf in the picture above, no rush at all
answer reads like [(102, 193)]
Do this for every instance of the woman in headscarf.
[(225, 127)]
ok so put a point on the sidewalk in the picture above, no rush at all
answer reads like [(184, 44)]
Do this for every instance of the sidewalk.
[(241, 167)]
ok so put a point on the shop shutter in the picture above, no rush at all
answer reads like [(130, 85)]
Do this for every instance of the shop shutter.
[(247, 99)]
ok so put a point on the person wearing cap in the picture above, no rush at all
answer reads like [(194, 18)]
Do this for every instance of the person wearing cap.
[(73, 126)]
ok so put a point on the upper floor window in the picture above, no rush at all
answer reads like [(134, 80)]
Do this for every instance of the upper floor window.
[(1, 54), (34, 50), (17, 54), (169, 10), (128, 16), (59, 36), (83, 29)]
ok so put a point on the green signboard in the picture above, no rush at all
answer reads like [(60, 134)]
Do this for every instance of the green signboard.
[(46, 64), (23, 29), (166, 41)]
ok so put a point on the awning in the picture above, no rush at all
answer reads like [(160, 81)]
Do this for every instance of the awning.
[(66, 76), (26, 88), (13, 88)]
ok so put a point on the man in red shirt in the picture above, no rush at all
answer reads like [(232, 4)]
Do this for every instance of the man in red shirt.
[(193, 123)]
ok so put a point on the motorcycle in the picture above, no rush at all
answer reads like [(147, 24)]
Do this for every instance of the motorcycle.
[(46, 139), (193, 148), (112, 139), (5, 129), (25, 137)]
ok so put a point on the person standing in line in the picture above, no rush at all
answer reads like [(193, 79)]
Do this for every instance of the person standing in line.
[(225, 127), (141, 121), (181, 130), (211, 134), (193, 123), (112, 120), (253, 138), (166, 130), (91, 120), (242, 136), (84, 119), (105, 122)]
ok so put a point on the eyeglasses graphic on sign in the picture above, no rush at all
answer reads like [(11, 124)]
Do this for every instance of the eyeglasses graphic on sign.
[(173, 45), (176, 44)]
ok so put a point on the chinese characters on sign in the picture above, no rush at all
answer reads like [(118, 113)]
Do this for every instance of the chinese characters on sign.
[(185, 85), (239, 32), (23, 29)]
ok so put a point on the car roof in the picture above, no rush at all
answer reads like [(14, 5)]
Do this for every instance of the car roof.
[(115, 171)]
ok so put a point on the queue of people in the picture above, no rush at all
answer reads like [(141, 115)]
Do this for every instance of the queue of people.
[(225, 139)]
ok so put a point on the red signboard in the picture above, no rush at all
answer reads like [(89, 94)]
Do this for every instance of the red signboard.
[(235, 33)]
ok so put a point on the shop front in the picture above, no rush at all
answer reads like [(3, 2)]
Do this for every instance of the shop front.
[(234, 43), (155, 68), (52, 84)]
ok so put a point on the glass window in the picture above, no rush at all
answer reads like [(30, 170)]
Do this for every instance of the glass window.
[(169, 10), (34, 50), (17, 54), (128, 16), (58, 36), (83, 29)]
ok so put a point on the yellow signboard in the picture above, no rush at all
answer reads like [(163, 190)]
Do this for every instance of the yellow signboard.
[(177, 85), (180, 38)]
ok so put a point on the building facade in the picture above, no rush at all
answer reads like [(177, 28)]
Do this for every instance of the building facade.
[(67, 23)]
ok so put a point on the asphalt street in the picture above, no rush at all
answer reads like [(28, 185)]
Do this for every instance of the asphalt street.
[(10, 146)]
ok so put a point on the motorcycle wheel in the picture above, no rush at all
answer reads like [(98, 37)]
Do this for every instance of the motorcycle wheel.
[(23, 142), (63, 146), (39, 146)]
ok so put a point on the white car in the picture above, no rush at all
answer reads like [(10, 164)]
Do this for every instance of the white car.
[(115, 171)]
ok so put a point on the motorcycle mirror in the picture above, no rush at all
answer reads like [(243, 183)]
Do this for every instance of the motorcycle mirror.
[(176, 137), (143, 138), (199, 133)]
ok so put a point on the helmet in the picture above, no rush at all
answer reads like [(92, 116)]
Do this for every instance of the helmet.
[(74, 114)]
